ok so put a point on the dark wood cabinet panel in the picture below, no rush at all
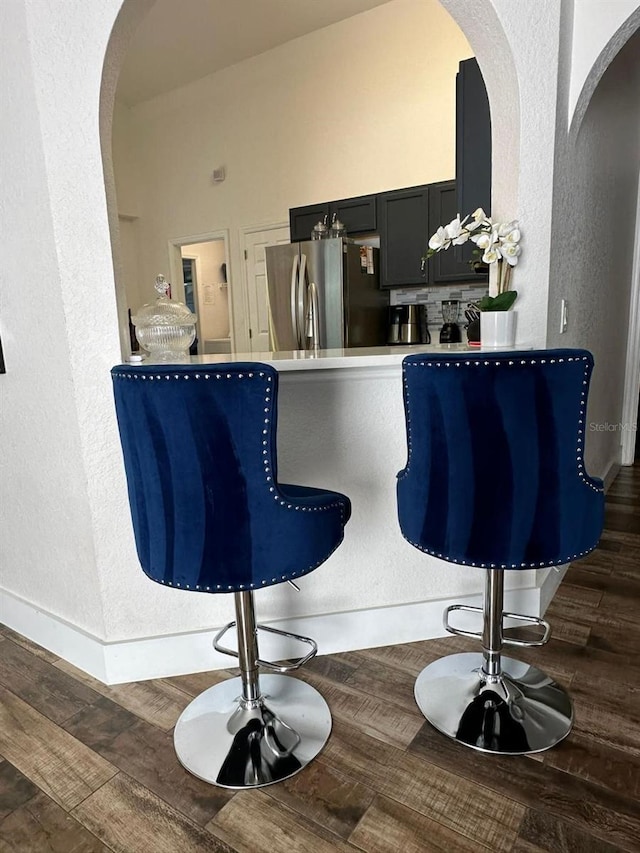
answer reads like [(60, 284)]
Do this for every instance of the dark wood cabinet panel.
[(359, 215), (302, 220), (473, 139), (453, 264), (403, 219)]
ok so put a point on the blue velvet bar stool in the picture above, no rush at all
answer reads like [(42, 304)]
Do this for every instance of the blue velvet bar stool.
[(495, 479), (209, 516)]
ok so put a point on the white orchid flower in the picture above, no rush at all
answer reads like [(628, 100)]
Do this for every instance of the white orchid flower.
[(479, 218), (454, 231), (510, 232), (439, 240), (482, 240), (510, 252), (491, 255), (497, 241)]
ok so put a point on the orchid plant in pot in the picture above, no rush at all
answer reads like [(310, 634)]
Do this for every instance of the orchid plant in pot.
[(496, 243)]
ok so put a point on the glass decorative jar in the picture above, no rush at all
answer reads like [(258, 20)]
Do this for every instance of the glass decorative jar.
[(165, 329)]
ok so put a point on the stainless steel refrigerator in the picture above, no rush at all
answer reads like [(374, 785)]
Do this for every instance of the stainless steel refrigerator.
[(324, 294)]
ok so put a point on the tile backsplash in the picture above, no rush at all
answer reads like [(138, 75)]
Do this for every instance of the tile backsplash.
[(432, 297)]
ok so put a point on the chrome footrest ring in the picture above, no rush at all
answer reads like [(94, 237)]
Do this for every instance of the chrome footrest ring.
[(507, 641), (531, 620), (459, 632), (275, 667)]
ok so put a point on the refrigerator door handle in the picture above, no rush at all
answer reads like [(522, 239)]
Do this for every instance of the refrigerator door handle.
[(300, 300), (312, 325), (294, 297)]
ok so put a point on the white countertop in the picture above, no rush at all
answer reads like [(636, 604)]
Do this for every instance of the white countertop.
[(331, 359), (343, 358)]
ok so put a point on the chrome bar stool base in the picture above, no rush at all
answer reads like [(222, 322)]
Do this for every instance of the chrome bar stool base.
[(519, 711), (232, 742)]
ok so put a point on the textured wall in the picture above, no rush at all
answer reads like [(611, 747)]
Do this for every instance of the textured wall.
[(594, 231), (47, 532)]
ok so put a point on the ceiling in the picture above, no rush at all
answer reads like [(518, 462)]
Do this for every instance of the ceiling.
[(178, 42)]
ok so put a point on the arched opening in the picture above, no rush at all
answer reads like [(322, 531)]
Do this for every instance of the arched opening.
[(595, 66), (319, 163)]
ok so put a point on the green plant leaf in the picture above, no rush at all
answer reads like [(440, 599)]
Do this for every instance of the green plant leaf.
[(501, 302)]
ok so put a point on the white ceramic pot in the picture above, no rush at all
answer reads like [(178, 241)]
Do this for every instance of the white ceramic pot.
[(498, 328)]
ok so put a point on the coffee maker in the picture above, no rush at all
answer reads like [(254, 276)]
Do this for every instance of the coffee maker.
[(408, 325), (450, 332)]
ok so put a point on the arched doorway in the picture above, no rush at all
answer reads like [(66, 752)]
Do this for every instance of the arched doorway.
[(504, 92)]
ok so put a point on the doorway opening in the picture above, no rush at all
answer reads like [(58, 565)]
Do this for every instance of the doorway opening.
[(201, 265)]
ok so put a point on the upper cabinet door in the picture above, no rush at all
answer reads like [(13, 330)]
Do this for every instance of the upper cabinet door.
[(302, 220), (473, 140), (403, 220), (359, 215), (452, 264)]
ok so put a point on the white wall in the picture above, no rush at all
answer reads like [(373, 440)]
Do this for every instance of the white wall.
[(47, 531), (127, 174), (594, 231), (138, 290), (363, 106)]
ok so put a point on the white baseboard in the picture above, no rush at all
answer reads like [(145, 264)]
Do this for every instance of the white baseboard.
[(177, 654)]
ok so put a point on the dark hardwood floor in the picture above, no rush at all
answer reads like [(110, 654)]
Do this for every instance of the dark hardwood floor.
[(87, 768)]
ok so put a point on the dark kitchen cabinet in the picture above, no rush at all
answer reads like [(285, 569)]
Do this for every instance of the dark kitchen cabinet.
[(473, 139), (404, 220), (302, 220), (403, 223), (359, 216), (452, 264)]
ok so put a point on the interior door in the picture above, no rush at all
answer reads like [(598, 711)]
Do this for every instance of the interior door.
[(255, 242)]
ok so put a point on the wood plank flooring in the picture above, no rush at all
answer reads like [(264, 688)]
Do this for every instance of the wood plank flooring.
[(86, 768)]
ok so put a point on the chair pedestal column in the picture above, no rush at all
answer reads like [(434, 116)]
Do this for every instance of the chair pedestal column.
[(254, 730), (490, 702), (247, 646), (492, 622)]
